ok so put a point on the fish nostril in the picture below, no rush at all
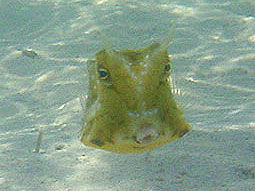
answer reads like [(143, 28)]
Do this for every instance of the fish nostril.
[(145, 139)]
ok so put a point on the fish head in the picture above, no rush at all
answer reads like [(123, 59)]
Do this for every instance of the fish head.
[(130, 107)]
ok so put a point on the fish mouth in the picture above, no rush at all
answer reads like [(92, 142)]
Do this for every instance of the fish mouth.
[(146, 135)]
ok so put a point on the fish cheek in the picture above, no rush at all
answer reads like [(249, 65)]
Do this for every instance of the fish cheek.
[(96, 130), (168, 108)]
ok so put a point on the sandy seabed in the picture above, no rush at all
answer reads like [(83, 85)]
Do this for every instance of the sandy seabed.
[(44, 48)]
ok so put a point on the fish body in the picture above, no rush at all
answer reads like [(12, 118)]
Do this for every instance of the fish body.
[(130, 107)]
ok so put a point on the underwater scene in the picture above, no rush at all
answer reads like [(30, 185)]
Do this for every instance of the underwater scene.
[(141, 95)]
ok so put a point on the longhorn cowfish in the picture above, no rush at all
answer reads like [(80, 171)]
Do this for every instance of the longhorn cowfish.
[(130, 107)]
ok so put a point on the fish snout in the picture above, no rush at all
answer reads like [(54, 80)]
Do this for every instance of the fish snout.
[(147, 134)]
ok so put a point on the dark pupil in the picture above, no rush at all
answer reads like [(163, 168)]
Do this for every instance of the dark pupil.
[(102, 74), (167, 67)]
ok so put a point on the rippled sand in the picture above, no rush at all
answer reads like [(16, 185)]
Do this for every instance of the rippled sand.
[(44, 46)]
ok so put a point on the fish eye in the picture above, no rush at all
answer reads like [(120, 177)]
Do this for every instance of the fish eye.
[(103, 73), (167, 67)]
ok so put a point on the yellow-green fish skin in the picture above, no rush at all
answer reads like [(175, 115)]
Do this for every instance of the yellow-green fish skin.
[(130, 107)]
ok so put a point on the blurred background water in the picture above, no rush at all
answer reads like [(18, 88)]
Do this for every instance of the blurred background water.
[(213, 52)]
